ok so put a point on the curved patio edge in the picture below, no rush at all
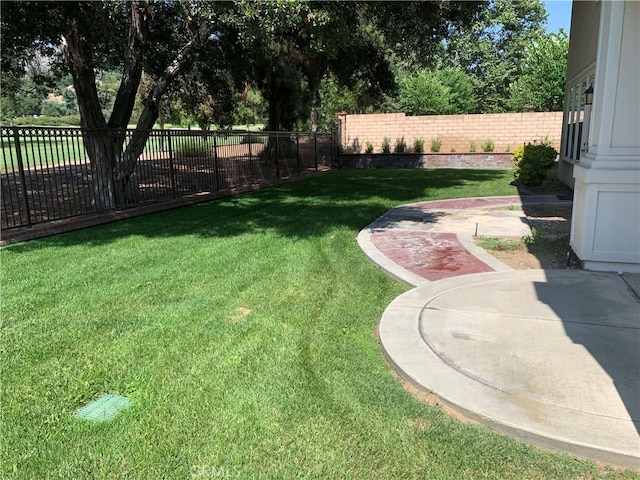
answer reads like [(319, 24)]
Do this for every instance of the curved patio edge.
[(430, 336), (543, 423)]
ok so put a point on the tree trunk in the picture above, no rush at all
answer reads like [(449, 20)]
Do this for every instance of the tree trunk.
[(125, 189), (104, 149), (113, 168), (132, 73), (270, 152), (273, 124), (99, 147)]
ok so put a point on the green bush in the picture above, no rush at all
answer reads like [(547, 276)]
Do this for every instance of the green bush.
[(418, 145), (472, 147), (401, 146), (546, 141), (386, 147), (488, 146), (44, 121), (369, 148), (193, 149), (531, 163), (254, 139), (436, 145)]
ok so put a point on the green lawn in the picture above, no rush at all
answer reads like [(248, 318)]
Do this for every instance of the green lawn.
[(244, 332), (50, 151), (41, 151)]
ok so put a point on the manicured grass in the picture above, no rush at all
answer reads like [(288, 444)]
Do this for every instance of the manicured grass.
[(244, 332), (41, 151), (50, 151), (500, 244)]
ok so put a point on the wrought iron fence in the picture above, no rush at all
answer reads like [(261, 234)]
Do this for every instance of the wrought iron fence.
[(46, 173)]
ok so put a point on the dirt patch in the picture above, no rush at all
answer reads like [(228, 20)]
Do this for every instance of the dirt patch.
[(241, 312), (547, 247), (431, 399)]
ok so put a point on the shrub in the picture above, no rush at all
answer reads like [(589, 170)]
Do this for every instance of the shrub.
[(472, 147), (436, 145), (418, 145), (401, 146), (44, 121), (193, 149), (369, 147), (508, 150), (488, 146), (453, 150), (531, 163), (386, 147), (253, 138)]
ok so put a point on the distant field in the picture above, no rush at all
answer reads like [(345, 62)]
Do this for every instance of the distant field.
[(50, 151), (37, 152)]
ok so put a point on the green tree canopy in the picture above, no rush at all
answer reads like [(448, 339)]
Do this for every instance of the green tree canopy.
[(424, 93), (540, 87), (86, 38), (437, 92), (290, 47), (492, 48), (283, 47)]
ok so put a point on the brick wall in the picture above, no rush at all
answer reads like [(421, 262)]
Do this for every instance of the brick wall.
[(427, 160), (507, 130)]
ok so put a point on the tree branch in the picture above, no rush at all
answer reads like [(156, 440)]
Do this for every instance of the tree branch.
[(126, 96), (79, 56), (151, 109)]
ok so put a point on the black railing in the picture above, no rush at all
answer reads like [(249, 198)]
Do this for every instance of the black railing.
[(46, 173)]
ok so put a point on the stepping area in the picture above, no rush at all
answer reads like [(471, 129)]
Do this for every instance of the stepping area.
[(550, 356)]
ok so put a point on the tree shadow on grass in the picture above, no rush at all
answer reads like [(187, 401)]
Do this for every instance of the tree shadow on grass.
[(301, 209)]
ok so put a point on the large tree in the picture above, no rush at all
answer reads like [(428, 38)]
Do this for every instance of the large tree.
[(291, 47), (284, 47), (492, 48), (437, 92), (86, 38), (540, 87)]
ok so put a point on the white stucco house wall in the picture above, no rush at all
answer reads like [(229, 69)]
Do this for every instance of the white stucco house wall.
[(600, 153)]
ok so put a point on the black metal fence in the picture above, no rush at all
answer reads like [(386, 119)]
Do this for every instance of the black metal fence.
[(46, 173)]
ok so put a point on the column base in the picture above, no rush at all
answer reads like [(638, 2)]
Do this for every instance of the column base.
[(605, 228)]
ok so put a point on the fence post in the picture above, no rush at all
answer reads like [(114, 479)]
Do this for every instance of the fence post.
[(117, 193), (23, 180), (298, 152), (215, 160), (172, 170), (315, 149), (277, 157), (336, 149), (333, 148), (250, 154)]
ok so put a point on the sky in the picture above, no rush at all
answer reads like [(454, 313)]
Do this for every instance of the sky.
[(559, 15)]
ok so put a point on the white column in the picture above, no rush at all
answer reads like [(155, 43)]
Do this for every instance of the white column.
[(605, 232)]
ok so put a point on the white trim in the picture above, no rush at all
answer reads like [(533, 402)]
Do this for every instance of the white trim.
[(573, 118), (585, 72), (607, 69)]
